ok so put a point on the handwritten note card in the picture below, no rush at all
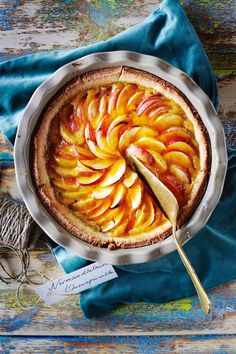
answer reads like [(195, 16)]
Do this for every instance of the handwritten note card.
[(75, 282)]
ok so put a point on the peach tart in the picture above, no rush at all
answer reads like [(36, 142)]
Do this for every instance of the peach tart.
[(80, 169)]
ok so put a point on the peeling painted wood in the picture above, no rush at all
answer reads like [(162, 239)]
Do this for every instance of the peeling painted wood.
[(8, 186), (28, 27), (122, 344), (180, 326), (183, 317)]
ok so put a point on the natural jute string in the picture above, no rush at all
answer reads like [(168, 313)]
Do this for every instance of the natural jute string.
[(16, 228)]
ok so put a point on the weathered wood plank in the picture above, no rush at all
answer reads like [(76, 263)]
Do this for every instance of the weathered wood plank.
[(111, 345), (8, 186), (66, 318), (28, 27)]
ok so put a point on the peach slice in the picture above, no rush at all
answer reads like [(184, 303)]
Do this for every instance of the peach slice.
[(168, 120), (130, 178), (140, 215), (156, 112), (83, 151), (113, 137), (97, 164), (146, 131), (72, 123), (148, 102), (77, 100), (115, 173), (125, 118), (181, 146), (92, 144), (67, 151), (76, 138), (67, 172), (174, 135), (103, 106), (89, 133), (118, 195), (83, 204), (102, 143), (117, 127), (82, 168), (93, 111), (152, 227), (93, 108), (180, 174), (124, 97), (129, 134), (142, 154), (135, 194), (60, 183), (175, 186), (102, 192), (108, 225), (178, 158), (113, 100), (151, 143), (96, 151), (68, 163), (100, 209), (110, 214), (79, 110), (80, 193), (119, 230), (135, 99), (128, 137), (150, 213), (92, 206), (189, 125), (160, 161), (88, 178), (90, 96)]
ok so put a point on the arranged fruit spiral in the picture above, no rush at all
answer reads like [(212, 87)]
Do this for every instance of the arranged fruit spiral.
[(86, 180), (88, 166)]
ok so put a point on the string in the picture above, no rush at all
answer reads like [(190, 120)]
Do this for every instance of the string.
[(16, 234), (23, 277)]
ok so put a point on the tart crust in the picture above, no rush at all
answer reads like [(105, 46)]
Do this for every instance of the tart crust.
[(40, 139)]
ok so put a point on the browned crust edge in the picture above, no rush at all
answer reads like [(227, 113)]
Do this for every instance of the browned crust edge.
[(45, 191)]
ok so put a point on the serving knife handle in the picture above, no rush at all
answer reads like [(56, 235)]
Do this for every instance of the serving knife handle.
[(202, 295)]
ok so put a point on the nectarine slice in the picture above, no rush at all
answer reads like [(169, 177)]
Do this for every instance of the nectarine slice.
[(97, 164), (102, 192), (115, 173), (181, 146), (178, 158), (89, 177), (118, 195)]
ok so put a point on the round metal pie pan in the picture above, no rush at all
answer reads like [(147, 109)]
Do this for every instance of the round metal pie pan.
[(163, 70)]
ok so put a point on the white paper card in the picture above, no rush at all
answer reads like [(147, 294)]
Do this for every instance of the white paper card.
[(75, 282)]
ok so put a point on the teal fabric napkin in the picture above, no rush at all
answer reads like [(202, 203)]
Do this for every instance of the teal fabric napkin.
[(168, 34)]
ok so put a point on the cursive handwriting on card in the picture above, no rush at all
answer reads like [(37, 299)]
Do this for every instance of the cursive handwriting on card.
[(75, 282)]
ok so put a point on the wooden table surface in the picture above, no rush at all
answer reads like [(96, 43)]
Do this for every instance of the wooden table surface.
[(176, 327)]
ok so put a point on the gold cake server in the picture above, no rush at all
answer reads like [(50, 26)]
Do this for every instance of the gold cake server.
[(170, 207)]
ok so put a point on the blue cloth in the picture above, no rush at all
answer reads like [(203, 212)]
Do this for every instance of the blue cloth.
[(168, 34)]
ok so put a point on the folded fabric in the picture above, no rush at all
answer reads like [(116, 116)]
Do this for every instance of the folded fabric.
[(168, 34)]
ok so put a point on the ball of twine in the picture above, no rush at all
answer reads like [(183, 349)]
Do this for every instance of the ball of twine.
[(17, 234)]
